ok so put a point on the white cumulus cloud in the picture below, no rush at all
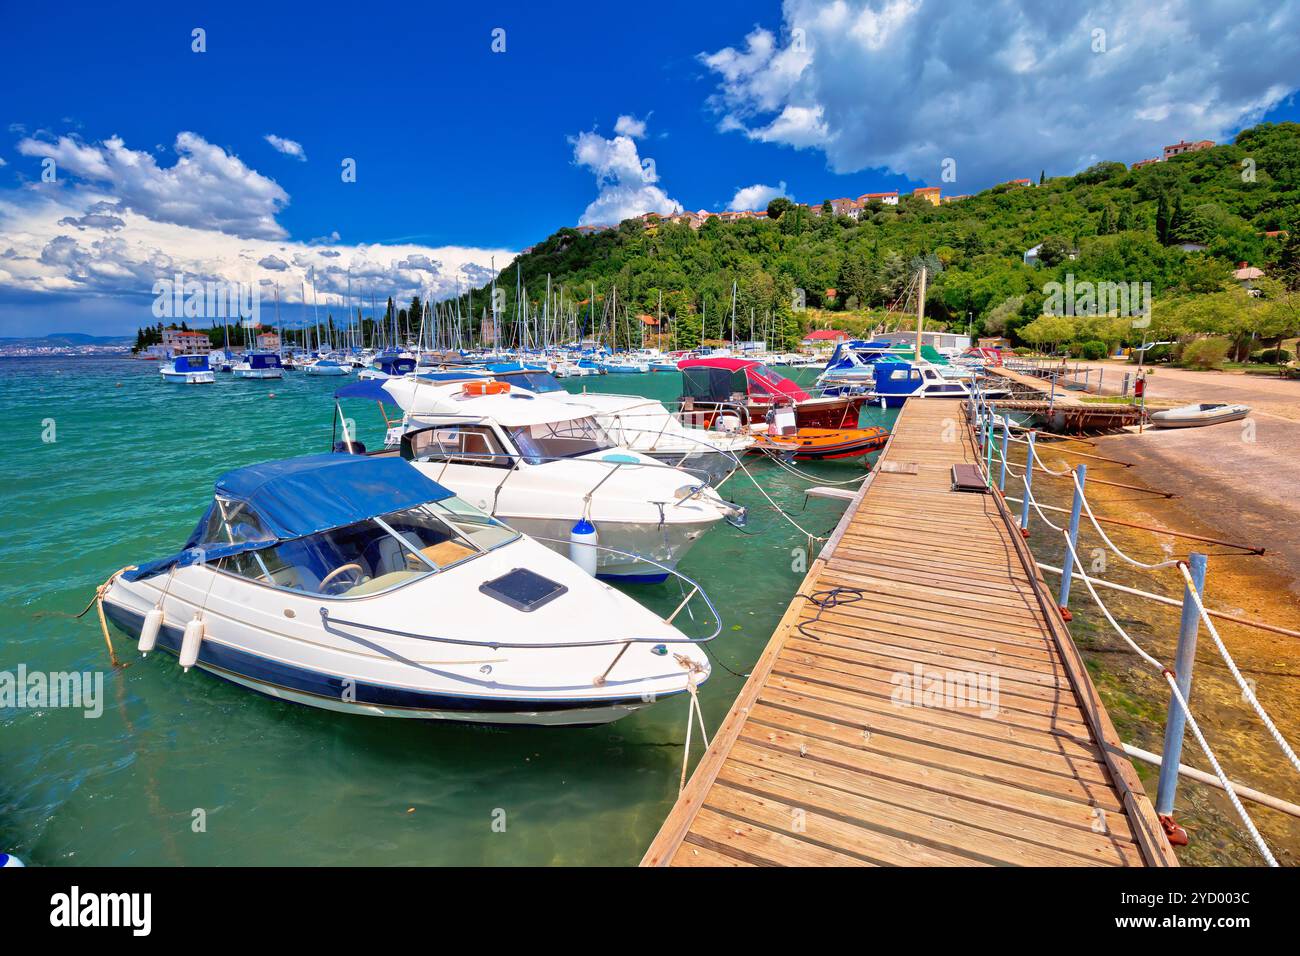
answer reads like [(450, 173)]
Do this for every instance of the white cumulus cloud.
[(1004, 87), (627, 125), (756, 196), (625, 180), (287, 146), (206, 188), (113, 223)]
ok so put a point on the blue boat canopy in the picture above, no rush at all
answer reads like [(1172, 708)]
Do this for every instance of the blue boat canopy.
[(190, 363), (295, 497), (369, 388), (261, 505)]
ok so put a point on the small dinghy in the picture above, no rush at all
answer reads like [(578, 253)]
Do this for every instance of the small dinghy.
[(823, 444), (359, 585), (1194, 416)]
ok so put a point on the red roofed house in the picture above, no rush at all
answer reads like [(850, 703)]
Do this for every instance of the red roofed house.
[(846, 207), (1145, 162), (889, 199), (823, 340), (1185, 147), (929, 193), (176, 342)]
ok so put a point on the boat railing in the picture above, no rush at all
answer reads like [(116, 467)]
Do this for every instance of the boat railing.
[(985, 424), (691, 590)]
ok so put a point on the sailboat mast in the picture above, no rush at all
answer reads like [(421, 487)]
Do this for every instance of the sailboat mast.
[(920, 314)]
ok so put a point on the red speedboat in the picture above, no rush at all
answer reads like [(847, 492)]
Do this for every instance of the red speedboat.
[(749, 390)]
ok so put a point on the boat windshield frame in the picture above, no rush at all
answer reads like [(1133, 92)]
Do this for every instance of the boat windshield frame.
[(532, 452), (444, 512)]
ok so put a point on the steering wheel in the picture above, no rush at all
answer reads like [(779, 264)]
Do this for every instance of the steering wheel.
[(341, 569)]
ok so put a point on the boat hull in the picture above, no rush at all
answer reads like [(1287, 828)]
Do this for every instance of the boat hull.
[(188, 378), (708, 466), (820, 444), (1186, 418), (258, 373), (301, 685)]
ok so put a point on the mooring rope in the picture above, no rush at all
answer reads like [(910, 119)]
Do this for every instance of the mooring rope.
[(692, 711), (97, 602)]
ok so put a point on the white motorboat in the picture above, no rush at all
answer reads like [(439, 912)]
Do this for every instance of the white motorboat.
[(543, 466), (328, 366), (357, 584), (187, 370), (646, 425), (259, 365), (387, 367), (1194, 416)]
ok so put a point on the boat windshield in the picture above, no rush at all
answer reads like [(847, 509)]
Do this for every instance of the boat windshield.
[(546, 441), (376, 554), (539, 382)]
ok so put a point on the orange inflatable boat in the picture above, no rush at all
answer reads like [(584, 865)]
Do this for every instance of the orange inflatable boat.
[(823, 444)]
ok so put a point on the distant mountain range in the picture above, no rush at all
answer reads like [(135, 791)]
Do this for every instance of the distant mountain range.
[(67, 338)]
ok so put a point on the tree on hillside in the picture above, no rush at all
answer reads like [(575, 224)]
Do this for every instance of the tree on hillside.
[(1048, 330), (999, 317), (1162, 220), (1053, 251), (1286, 268), (778, 207)]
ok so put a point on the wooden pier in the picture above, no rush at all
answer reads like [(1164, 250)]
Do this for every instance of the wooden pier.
[(833, 754), (1060, 408)]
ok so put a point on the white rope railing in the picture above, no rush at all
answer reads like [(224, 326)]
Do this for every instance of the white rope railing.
[(1169, 676), (1247, 691), (982, 426)]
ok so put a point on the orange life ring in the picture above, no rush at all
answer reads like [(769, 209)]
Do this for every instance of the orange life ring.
[(486, 388)]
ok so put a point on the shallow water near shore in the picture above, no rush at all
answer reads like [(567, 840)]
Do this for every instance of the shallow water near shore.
[(1136, 696), (126, 479)]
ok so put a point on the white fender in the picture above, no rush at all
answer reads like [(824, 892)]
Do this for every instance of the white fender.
[(582, 541), (149, 631), (194, 632)]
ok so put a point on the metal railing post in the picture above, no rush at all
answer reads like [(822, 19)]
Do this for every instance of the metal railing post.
[(1029, 484), (1067, 562), (1184, 659), (1006, 438), (988, 447)]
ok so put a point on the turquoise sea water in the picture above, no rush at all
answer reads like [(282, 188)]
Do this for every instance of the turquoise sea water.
[(125, 480)]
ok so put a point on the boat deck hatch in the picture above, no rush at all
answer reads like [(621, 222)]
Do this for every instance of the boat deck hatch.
[(522, 589)]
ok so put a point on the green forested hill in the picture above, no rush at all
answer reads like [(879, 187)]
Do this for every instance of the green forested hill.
[(1106, 223)]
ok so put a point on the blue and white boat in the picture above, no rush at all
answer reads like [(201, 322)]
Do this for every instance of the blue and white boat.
[(187, 370), (328, 367), (388, 366), (259, 365), (625, 366), (356, 584)]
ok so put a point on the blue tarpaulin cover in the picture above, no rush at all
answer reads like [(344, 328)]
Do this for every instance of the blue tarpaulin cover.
[(296, 497), (371, 388)]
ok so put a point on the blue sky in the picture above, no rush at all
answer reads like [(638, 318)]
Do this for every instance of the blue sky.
[(463, 154)]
